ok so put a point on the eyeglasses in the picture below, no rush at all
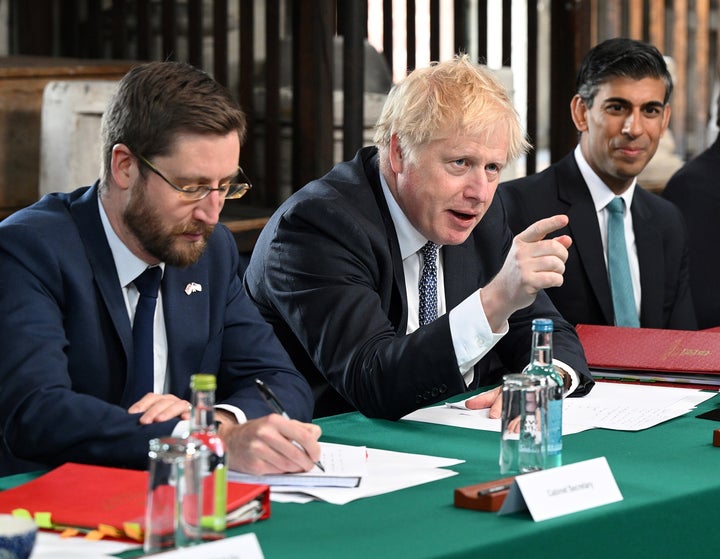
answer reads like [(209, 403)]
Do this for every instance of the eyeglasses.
[(235, 188)]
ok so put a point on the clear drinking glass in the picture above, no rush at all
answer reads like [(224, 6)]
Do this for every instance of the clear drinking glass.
[(172, 515), (523, 435)]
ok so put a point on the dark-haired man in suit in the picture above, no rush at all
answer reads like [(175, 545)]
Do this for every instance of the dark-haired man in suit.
[(113, 295), (695, 190), (635, 274)]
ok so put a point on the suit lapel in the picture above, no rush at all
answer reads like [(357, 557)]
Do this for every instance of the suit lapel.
[(86, 214), (585, 231), (650, 259), (373, 174), (186, 296), (460, 263)]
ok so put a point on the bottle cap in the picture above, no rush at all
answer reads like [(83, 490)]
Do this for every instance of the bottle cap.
[(203, 382), (542, 325)]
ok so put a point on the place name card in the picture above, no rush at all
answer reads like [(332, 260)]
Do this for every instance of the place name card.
[(563, 490), (245, 546)]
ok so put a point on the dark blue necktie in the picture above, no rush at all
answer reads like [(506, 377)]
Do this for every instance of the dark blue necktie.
[(141, 382), (427, 287), (619, 267)]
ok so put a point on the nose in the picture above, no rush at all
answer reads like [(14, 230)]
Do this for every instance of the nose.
[(208, 209), (478, 186), (633, 124)]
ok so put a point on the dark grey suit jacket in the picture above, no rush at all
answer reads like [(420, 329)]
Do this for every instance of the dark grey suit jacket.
[(67, 340), (584, 297), (695, 189), (327, 273)]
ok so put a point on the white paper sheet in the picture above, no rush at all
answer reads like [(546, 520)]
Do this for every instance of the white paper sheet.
[(386, 471), (610, 405), (344, 466), (49, 545)]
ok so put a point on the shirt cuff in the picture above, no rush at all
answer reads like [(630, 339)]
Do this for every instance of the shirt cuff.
[(182, 429), (471, 334), (237, 412), (574, 377)]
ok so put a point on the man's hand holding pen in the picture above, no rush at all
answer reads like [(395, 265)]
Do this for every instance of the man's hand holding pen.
[(266, 445)]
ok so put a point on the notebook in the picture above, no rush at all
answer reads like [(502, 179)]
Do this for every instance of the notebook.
[(86, 497)]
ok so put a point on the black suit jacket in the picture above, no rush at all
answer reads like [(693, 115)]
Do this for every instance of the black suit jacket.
[(695, 190), (585, 297), (327, 273), (67, 340)]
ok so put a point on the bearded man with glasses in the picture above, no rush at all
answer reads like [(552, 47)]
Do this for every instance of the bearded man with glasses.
[(80, 379)]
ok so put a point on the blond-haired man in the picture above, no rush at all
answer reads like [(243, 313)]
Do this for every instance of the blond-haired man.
[(337, 271)]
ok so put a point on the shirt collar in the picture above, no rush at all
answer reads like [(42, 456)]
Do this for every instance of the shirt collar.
[(600, 192), (128, 265), (409, 238)]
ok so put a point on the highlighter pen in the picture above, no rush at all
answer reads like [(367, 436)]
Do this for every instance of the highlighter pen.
[(494, 489), (277, 407)]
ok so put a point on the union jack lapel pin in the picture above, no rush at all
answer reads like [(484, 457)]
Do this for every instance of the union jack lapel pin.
[(192, 287)]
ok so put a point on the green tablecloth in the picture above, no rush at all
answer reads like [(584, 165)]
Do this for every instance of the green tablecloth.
[(669, 477)]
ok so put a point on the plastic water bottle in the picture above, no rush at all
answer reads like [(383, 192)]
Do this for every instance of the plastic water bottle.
[(202, 427), (541, 358)]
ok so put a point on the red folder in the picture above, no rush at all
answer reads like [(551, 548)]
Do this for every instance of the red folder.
[(85, 496), (679, 357)]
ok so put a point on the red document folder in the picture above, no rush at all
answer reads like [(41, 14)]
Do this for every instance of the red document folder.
[(679, 357), (85, 496)]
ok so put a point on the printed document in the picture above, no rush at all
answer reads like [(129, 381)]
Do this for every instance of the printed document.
[(617, 406)]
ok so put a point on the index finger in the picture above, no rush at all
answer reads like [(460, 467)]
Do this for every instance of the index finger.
[(538, 230)]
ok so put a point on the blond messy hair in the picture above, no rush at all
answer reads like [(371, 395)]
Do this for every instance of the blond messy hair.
[(455, 96)]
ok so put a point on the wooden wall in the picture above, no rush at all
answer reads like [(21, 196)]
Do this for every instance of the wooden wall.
[(280, 58)]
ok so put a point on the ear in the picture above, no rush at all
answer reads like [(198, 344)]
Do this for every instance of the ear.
[(123, 166), (397, 160), (666, 119), (578, 111)]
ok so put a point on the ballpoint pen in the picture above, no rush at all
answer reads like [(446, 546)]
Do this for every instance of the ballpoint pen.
[(277, 407), (494, 489)]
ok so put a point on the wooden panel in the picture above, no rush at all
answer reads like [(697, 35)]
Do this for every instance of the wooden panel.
[(532, 85), (411, 37), (657, 24), (22, 80), (312, 141), (353, 78), (703, 77), (680, 55), (636, 20)]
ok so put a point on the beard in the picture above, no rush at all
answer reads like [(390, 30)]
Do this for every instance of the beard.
[(164, 242)]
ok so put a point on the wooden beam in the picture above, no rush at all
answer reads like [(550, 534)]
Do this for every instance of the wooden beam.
[(313, 30)]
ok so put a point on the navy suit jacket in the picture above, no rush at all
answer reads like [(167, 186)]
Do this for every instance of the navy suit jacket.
[(585, 297), (67, 340), (327, 273), (695, 190)]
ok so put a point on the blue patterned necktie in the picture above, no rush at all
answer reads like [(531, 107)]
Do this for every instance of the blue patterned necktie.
[(147, 284), (619, 268), (428, 284)]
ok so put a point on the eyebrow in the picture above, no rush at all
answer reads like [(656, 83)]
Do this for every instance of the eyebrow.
[(624, 101), (204, 180)]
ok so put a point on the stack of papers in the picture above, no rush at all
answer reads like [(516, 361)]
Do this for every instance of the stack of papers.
[(618, 406), (381, 471), (344, 466)]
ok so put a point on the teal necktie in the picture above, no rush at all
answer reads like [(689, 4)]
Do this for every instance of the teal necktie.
[(618, 267)]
